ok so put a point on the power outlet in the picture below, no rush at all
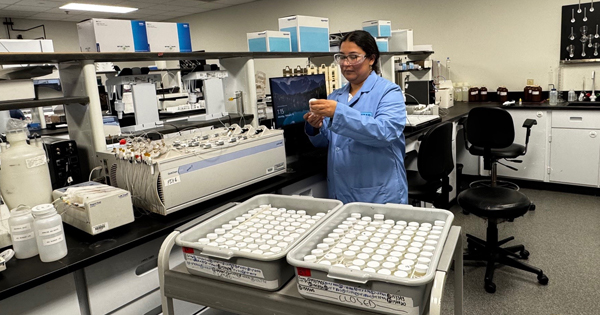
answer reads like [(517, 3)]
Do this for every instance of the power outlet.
[(529, 81)]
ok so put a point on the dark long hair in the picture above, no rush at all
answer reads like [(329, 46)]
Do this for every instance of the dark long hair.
[(366, 42)]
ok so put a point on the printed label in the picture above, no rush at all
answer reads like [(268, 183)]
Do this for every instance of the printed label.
[(483, 92), (473, 93), (171, 172), (99, 228), (172, 181), (36, 161), (535, 92), (49, 231), (356, 297), (503, 93), (20, 228), (229, 271), (53, 240), (24, 237)]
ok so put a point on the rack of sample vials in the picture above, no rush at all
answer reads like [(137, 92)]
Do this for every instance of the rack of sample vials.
[(377, 257), (248, 243)]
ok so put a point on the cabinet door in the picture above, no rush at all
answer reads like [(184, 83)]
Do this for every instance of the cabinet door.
[(574, 156), (534, 161)]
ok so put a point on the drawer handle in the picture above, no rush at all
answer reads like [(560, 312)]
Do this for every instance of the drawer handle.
[(576, 118), (146, 267)]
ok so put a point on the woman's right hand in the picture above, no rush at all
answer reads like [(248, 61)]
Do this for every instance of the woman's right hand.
[(316, 121)]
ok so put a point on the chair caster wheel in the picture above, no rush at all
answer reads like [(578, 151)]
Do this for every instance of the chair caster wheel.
[(542, 279), (490, 287), (524, 254), (532, 207)]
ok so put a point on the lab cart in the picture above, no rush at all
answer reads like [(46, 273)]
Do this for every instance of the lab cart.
[(177, 283)]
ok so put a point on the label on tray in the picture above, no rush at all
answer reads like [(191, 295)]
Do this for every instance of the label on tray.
[(356, 297), (233, 272)]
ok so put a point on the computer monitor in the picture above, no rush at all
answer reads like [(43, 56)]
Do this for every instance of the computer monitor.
[(290, 96)]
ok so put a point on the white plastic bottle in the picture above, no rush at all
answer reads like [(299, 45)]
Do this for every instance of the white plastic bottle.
[(22, 233), (24, 175), (49, 233)]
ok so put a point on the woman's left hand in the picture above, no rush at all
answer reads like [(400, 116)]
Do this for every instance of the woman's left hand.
[(325, 108)]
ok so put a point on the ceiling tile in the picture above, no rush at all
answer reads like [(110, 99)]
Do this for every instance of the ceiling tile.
[(166, 8), (48, 16), (136, 4), (38, 3), (185, 3), (234, 2), (25, 8), (16, 14), (213, 5)]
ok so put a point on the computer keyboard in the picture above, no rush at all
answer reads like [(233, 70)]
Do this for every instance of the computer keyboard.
[(418, 120)]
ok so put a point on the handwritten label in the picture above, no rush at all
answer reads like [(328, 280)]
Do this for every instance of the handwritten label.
[(99, 228), (229, 271), (356, 297), (36, 161), (52, 230), (24, 237), (53, 240), (172, 181), (20, 228)]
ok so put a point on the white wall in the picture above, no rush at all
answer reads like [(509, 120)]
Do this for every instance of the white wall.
[(490, 43), (62, 34)]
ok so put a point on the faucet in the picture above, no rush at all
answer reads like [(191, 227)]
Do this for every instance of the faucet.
[(593, 96)]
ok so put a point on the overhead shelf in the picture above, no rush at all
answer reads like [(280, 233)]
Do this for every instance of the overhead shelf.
[(20, 104), (408, 70), (33, 58), (580, 61)]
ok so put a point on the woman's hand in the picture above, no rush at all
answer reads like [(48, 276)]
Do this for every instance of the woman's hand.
[(324, 108), (314, 120)]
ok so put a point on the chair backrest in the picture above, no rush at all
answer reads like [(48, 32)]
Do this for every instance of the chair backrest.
[(490, 127), (435, 152)]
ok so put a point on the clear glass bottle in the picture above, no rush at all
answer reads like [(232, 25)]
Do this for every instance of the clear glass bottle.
[(465, 91), (22, 233), (49, 232)]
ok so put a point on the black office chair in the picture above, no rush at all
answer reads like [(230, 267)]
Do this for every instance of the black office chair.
[(434, 164), (492, 130)]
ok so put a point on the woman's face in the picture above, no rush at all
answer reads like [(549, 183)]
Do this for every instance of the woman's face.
[(358, 72)]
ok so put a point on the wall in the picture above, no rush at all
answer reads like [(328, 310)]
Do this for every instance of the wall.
[(490, 43), (63, 34)]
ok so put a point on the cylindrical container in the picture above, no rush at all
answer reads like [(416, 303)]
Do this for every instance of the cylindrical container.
[(502, 94), (536, 93), (465, 91), (527, 93), (483, 94), (572, 97), (474, 94), (22, 233), (49, 233), (24, 176), (553, 97), (458, 92)]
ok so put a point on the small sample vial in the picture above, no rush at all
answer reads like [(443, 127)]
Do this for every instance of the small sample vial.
[(371, 229), (402, 243), (437, 228), (435, 232), (235, 231), (426, 254), (355, 215), (334, 236), (388, 265), (212, 236), (328, 240), (379, 217), (203, 241), (419, 239), (428, 248), (259, 241), (424, 229), (396, 254), (331, 257), (349, 255), (373, 264), (346, 241), (257, 251), (401, 223), (252, 246), (282, 244), (230, 243), (362, 238), (385, 272), (249, 240), (393, 236), (251, 230), (411, 256), (423, 261), (406, 238), (271, 243), (368, 250), (415, 224), (227, 227), (342, 246), (389, 241), (358, 243), (386, 226), (433, 237), (362, 223), (420, 271), (380, 235), (431, 243), (339, 231), (405, 268), (368, 269), (372, 245), (387, 247), (408, 232), (295, 235), (325, 262), (376, 240), (396, 232), (392, 259), (317, 252), (256, 235), (389, 222), (358, 263), (264, 247), (323, 246), (378, 258), (416, 245), (408, 262), (366, 219), (439, 223), (401, 274), (343, 227), (337, 251), (427, 225), (351, 236), (241, 245), (363, 256), (288, 239), (381, 252)]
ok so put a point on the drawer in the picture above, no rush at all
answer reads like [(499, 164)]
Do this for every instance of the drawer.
[(123, 278), (576, 119), (150, 304)]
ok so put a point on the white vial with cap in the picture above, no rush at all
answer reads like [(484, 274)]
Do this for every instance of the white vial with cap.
[(241, 245), (271, 242), (406, 238), (385, 272), (423, 261), (426, 254), (356, 215), (368, 269), (431, 242), (401, 223), (389, 241), (325, 262), (411, 256), (389, 222), (350, 255), (437, 228), (378, 258), (379, 216), (354, 267), (428, 248), (366, 219), (328, 240), (439, 223), (203, 241), (381, 252), (358, 263), (433, 237), (408, 262), (317, 252), (282, 244), (260, 241), (396, 254), (388, 265), (337, 251), (323, 246), (392, 259), (264, 247), (416, 245), (401, 274), (420, 270), (373, 264), (387, 247), (334, 236), (368, 250), (405, 268), (230, 243), (342, 246), (402, 243), (252, 246), (363, 256)]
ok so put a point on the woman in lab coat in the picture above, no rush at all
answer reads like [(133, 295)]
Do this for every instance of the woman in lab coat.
[(362, 125)]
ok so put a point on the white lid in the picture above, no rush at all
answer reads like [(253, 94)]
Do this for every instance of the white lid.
[(331, 256), (389, 241), (320, 214), (358, 243), (342, 246), (257, 251), (363, 256), (272, 242), (370, 270), (264, 247), (379, 216), (358, 262), (334, 236), (421, 268), (301, 212), (426, 224), (424, 228), (438, 228), (256, 235), (262, 231), (406, 238), (398, 227), (240, 219), (238, 238), (339, 231), (310, 258), (377, 258), (393, 259), (343, 227), (291, 212), (426, 254), (267, 237), (366, 233), (386, 246), (241, 245), (404, 268), (373, 264), (230, 243), (350, 236), (288, 239), (366, 219), (228, 235), (382, 252), (317, 252), (278, 238), (414, 223), (408, 232), (389, 222), (282, 244), (407, 262), (386, 272), (250, 229), (411, 256), (422, 234), (412, 228), (349, 254), (203, 241), (396, 254), (212, 236), (252, 246), (362, 238), (433, 237), (388, 265), (402, 242), (346, 241), (372, 245), (401, 274), (431, 242), (376, 240), (351, 219), (227, 227), (423, 260), (43, 209), (368, 250), (337, 251), (249, 240), (416, 245), (354, 267), (440, 223), (435, 232), (296, 224), (393, 236), (355, 215), (428, 248), (325, 262), (323, 246), (419, 239), (380, 235)]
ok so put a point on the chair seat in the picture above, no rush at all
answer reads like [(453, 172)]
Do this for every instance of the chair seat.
[(512, 151), (420, 189), (494, 202)]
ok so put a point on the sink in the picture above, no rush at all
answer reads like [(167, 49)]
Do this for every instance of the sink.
[(583, 104)]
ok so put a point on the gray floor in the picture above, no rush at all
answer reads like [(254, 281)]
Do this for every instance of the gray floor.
[(563, 237)]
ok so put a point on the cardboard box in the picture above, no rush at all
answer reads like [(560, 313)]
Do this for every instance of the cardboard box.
[(105, 35), (382, 44), (401, 40), (307, 33), (269, 41), (12, 90), (169, 37), (378, 28)]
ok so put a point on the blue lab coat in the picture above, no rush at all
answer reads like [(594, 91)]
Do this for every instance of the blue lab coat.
[(366, 145)]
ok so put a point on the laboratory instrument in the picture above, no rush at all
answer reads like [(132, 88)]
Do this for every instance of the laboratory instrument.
[(170, 174), (49, 233), (93, 207), (63, 161), (445, 94), (571, 50), (24, 175), (212, 90)]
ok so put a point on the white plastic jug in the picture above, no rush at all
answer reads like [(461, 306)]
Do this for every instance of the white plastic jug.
[(24, 174)]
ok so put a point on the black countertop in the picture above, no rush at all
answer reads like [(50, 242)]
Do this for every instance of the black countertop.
[(534, 105), (85, 249)]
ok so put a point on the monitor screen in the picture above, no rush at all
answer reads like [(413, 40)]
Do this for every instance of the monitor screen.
[(290, 96)]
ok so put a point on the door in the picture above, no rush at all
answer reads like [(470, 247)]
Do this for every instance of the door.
[(574, 156), (534, 162)]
